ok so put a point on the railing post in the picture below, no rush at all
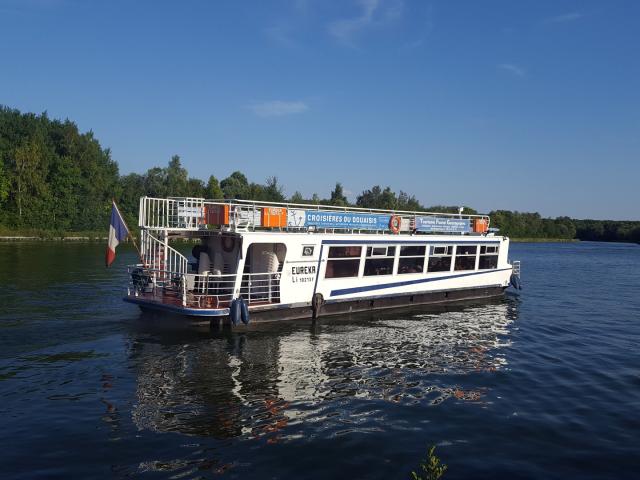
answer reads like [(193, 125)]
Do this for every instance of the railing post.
[(269, 295)]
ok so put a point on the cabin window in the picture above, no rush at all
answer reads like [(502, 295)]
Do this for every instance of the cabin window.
[(488, 257), (442, 250), (440, 258), (381, 251), (344, 252), (343, 262), (466, 257), (411, 259), (379, 261)]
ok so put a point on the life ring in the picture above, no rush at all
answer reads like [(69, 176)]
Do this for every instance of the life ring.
[(226, 246), (394, 223)]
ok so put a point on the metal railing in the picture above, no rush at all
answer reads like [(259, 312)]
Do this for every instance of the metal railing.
[(190, 214), (160, 257), (202, 290), (172, 213)]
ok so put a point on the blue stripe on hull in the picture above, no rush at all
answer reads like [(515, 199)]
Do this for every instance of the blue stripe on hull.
[(369, 288)]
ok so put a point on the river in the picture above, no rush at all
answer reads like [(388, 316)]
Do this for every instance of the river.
[(544, 384)]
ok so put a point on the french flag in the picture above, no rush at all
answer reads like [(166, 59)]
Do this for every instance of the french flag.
[(118, 231)]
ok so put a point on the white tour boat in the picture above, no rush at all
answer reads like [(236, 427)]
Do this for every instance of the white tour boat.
[(256, 261)]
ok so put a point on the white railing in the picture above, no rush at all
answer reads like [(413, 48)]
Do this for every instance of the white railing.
[(172, 213), (191, 214), (203, 290), (160, 257)]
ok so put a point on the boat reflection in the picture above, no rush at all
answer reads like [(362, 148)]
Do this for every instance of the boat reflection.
[(257, 383)]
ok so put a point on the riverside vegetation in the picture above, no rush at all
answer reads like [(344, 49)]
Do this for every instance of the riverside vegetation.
[(56, 181)]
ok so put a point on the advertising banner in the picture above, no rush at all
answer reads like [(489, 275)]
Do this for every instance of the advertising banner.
[(344, 220), (443, 224)]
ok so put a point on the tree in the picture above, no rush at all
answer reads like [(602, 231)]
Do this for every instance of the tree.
[(4, 183), (213, 190), (176, 178), (297, 198), (195, 188), (338, 197), (29, 180), (235, 186), (377, 198), (273, 192)]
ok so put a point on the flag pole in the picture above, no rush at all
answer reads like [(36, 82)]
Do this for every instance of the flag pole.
[(133, 240)]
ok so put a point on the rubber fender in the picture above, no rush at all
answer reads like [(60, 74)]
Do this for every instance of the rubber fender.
[(316, 304), (244, 311), (235, 313), (515, 282)]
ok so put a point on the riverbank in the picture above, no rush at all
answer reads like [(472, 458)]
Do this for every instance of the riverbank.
[(545, 240), (36, 235)]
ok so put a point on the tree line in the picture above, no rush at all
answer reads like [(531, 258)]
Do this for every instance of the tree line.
[(54, 178)]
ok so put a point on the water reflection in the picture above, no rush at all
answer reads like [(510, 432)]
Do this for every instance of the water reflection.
[(258, 383)]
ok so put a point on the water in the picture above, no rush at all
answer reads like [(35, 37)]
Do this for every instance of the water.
[(544, 385)]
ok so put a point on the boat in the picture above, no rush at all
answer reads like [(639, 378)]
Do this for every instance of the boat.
[(248, 261)]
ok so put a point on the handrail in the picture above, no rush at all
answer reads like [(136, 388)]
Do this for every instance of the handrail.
[(192, 214), (332, 208), (159, 256), (204, 289)]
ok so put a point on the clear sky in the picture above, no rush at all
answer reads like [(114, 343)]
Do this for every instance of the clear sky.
[(530, 106)]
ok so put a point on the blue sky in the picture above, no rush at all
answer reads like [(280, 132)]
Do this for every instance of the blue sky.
[(530, 106)]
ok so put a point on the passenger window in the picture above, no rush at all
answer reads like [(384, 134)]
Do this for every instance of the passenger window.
[(344, 252), (379, 261), (343, 262), (440, 258), (466, 257), (488, 257), (411, 259)]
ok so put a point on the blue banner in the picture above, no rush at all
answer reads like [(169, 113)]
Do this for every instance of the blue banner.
[(443, 224), (359, 221)]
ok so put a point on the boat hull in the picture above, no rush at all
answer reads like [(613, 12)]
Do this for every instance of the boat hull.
[(281, 312)]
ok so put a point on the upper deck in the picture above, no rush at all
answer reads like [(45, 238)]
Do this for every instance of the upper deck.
[(198, 217)]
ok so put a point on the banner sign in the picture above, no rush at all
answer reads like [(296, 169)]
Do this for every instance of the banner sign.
[(346, 220), (443, 224)]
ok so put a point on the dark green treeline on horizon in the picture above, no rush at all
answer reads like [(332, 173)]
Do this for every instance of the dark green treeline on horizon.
[(54, 178)]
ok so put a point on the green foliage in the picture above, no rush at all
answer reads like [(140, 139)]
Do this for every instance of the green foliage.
[(431, 468), (236, 186), (338, 197), (54, 178), (4, 183), (272, 191), (213, 190), (297, 197), (377, 198)]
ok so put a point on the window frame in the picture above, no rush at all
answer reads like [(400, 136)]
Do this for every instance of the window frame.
[(350, 258), (449, 253), (401, 257), (368, 254)]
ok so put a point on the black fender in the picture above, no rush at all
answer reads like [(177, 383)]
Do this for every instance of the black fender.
[(316, 305)]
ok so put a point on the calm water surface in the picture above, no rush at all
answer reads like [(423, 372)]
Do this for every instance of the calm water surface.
[(541, 385)]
